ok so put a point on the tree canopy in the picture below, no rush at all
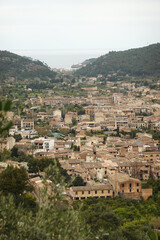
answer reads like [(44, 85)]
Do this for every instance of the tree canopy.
[(14, 181), (134, 62)]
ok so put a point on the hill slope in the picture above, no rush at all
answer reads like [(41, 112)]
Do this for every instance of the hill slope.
[(22, 68), (134, 62)]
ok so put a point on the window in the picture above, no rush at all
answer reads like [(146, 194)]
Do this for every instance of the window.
[(96, 192), (102, 191), (130, 190), (76, 198), (82, 192), (130, 185), (123, 185), (108, 191), (89, 192), (76, 193), (137, 184), (137, 190)]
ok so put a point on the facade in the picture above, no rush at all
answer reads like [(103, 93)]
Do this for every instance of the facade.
[(43, 145), (69, 116), (27, 124), (124, 185), (96, 191), (127, 187), (7, 143)]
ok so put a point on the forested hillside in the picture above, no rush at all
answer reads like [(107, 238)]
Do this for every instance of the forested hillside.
[(16, 68), (134, 62)]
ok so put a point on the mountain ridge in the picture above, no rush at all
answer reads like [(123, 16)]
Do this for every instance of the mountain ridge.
[(144, 61), (20, 68)]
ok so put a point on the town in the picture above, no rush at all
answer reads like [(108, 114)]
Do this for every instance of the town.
[(109, 137)]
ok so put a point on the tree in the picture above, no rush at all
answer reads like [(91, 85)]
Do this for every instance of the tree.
[(14, 180), (5, 125), (5, 155), (17, 137), (133, 133), (78, 181), (104, 140), (117, 131), (74, 121), (53, 220), (14, 152), (76, 148)]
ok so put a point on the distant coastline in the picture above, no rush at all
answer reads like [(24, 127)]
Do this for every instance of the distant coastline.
[(61, 58)]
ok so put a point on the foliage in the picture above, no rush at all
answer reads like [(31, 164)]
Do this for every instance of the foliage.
[(14, 152), (120, 218), (5, 125), (132, 133), (92, 133), (53, 220), (78, 181), (22, 68), (74, 121), (75, 108), (39, 165), (5, 155), (155, 134), (17, 137), (155, 185), (76, 148), (134, 62), (14, 180)]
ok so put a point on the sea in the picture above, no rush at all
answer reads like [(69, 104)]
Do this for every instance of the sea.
[(63, 58)]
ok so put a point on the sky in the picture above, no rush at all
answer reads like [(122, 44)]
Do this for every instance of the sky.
[(78, 25)]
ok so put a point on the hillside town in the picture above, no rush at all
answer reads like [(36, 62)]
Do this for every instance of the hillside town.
[(108, 140)]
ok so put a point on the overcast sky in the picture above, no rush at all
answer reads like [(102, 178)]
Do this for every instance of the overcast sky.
[(78, 24)]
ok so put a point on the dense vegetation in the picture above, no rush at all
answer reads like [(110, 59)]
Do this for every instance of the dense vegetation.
[(5, 125), (52, 217), (134, 62), (119, 219), (49, 217), (16, 68)]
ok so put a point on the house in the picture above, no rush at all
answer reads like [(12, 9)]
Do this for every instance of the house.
[(7, 143), (127, 187), (43, 145), (69, 116), (27, 123), (96, 191)]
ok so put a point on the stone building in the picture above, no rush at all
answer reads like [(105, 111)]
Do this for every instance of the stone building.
[(96, 191), (27, 124), (7, 143)]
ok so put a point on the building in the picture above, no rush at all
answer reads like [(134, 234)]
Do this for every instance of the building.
[(43, 145), (7, 143), (96, 191), (27, 124), (127, 187), (69, 116)]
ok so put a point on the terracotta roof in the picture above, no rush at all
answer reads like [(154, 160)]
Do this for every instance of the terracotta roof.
[(93, 187)]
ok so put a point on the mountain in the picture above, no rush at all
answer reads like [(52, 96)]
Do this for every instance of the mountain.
[(83, 64), (15, 67), (143, 61)]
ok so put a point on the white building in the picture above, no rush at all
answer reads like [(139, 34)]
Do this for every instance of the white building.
[(43, 145)]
